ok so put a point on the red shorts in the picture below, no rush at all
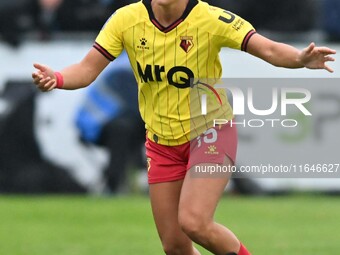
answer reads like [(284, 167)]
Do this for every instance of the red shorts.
[(171, 163)]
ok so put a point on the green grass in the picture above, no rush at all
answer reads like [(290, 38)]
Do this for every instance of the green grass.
[(97, 225)]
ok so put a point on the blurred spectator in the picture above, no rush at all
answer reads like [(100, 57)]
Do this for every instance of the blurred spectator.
[(14, 19), (47, 16), (110, 118), (73, 15), (82, 15), (331, 19), (67, 15), (281, 16), (116, 4), (87, 15)]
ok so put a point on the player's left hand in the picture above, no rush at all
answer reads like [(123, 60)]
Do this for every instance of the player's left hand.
[(314, 57)]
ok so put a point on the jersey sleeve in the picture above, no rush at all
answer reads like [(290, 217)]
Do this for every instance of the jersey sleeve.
[(234, 32), (109, 41)]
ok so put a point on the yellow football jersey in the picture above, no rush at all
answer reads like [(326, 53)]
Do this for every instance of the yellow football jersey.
[(175, 65)]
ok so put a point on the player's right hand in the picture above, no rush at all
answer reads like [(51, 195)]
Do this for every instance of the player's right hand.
[(44, 77)]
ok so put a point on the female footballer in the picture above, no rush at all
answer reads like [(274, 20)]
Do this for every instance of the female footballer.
[(170, 43)]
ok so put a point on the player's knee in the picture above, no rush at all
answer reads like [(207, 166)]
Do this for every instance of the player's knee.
[(193, 224)]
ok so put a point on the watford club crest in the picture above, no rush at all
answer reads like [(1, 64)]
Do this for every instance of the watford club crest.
[(187, 43)]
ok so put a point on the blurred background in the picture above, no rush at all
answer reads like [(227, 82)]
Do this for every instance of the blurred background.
[(79, 142), (90, 141)]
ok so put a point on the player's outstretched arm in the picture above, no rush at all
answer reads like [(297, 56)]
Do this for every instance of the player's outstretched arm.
[(284, 55), (73, 77)]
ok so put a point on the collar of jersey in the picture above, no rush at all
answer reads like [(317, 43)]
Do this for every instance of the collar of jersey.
[(190, 6)]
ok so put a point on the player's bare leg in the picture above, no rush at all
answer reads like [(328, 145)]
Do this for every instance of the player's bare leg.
[(164, 201), (198, 202)]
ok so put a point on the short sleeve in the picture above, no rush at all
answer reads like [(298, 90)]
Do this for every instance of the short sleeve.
[(109, 41), (235, 31)]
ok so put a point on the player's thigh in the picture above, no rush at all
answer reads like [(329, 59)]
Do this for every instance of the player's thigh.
[(213, 150), (200, 194), (164, 202)]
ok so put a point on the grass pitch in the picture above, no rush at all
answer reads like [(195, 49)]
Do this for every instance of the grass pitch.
[(88, 225)]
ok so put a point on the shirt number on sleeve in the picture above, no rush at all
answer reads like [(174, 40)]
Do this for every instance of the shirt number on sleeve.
[(230, 17)]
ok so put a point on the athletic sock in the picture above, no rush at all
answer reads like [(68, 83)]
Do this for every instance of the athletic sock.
[(242, 251)]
